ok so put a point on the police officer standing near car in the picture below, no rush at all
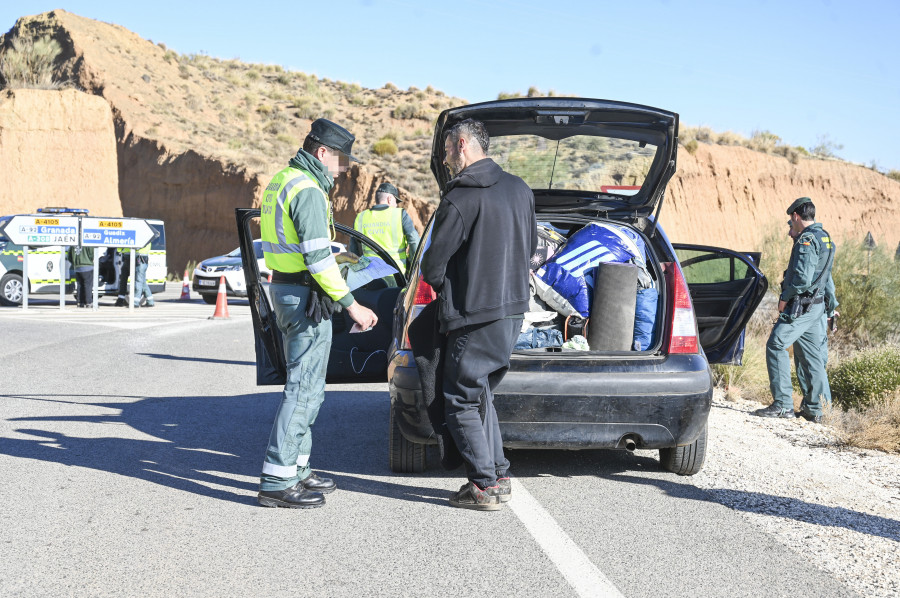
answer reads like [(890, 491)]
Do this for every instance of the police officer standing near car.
[(482, 241), (297, 228), (801, 317), (389, 226)]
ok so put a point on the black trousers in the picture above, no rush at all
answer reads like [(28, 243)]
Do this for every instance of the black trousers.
[(476, 360), (84, 287)]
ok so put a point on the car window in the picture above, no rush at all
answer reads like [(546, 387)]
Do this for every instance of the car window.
[(712, 267), (257, 250), (235, 253), (580, 162)]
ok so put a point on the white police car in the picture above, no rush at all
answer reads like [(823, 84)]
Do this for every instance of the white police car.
[(208, 273)]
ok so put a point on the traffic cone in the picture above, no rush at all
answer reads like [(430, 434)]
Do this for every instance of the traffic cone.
[(221, 303), (185, 288)]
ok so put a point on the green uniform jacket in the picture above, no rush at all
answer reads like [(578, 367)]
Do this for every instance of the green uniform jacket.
[(808, 257), (312, 221)]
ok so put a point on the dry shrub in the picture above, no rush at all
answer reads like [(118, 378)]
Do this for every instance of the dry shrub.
[(876, 427), (691, 146), (28, 63), (410, 110), (749, 381), (729, 138), (385, 147)]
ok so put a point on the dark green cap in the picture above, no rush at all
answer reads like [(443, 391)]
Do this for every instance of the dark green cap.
[(797, 203), (333, 135), (388, 188)]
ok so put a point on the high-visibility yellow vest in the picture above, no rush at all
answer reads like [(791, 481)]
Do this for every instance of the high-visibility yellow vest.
[(280, 243), (385, 227)]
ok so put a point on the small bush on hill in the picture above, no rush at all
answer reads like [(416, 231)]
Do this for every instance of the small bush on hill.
[(28, 63), (385, 146), (691, 146), (866, 378), (826, 148), (409, 110), (894, 174)]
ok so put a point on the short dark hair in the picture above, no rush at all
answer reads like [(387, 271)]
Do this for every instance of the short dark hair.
[(806, 211), (310, 145), (471, 129)]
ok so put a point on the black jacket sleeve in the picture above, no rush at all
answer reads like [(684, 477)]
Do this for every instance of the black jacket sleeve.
[(448, 234)]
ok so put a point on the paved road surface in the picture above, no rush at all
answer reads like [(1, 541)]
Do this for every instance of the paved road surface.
[(131, 446)]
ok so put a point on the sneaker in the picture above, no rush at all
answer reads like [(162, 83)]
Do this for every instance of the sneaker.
[(503, 490), (471, 496), (121, 302), (774, 410)]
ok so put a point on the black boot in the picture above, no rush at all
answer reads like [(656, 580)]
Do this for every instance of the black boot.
[(317, 484), (295, 497)]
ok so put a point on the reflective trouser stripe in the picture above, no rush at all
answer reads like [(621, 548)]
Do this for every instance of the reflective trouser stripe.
[(281, 471)]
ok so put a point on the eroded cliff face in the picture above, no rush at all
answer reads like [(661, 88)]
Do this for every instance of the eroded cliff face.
[(57, 148), (734, 197)]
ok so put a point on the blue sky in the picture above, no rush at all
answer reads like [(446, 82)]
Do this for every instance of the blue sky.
[(801, 69)]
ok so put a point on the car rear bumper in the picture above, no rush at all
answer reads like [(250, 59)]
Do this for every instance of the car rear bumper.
[(655, 403)]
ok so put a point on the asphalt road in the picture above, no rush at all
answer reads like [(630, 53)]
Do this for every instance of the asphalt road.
[(131, 444)]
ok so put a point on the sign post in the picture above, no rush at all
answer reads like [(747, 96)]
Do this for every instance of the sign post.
[(43, 231), (131, 233)]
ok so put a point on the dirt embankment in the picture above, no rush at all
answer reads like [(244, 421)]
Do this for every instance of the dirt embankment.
[(194, 141), (734, 197), (57, 148)]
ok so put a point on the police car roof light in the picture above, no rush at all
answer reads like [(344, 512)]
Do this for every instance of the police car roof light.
[(62, 211)]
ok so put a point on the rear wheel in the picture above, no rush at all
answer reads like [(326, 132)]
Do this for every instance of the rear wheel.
[(685, 460), (11, 290), (404, 456), (211, 299)]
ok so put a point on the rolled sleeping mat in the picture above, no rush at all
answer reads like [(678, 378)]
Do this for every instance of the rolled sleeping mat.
[(611, 326)]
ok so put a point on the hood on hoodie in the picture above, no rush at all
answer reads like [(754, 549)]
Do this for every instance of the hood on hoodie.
[(483, 173)]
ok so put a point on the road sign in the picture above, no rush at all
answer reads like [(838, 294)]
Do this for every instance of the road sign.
[(40, 231), (116, 232)]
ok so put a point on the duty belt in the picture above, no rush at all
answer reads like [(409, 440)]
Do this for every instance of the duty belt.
[(302, 278)]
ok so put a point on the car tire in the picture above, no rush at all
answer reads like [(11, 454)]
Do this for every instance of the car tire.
[(11, 290), (211, 299), (404, 456), (685, 460)]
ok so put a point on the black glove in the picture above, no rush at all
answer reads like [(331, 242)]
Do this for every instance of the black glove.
[(319, 306)]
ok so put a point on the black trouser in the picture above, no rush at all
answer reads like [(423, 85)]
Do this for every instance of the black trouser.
[(477, 358), (123, 274), (84, 283)]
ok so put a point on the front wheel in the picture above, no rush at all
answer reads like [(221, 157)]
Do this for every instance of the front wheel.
[(404, 456), (685, 460), (211, 299), (11, 289)]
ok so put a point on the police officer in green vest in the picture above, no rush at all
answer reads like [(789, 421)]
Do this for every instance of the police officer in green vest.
[(802, 315), (297, 228), (142, 291), (389, 226)]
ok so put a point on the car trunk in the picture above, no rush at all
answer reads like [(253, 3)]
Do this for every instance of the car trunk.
[(612, 293)]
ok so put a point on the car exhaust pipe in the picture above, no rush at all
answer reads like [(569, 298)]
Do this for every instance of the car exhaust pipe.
[(629, 443)]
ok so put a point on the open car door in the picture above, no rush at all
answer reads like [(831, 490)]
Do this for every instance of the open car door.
[(357, 357), (726, 287)]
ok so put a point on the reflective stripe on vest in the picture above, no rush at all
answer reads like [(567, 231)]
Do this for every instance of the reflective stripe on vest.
[(385, 227), (280, 244)]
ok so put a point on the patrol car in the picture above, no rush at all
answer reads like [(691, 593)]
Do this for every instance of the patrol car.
[(43, 266)]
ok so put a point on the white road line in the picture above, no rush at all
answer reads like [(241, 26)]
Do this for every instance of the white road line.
[(584, 577)]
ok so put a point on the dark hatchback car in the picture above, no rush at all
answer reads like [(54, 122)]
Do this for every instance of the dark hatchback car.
[(587, 161)]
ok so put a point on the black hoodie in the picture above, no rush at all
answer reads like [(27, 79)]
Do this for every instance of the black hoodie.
[(481, 245)]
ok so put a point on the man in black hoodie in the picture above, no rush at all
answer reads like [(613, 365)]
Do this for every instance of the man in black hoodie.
[(483, 238)]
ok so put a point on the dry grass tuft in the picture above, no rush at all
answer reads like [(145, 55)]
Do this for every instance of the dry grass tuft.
[(876, 427)]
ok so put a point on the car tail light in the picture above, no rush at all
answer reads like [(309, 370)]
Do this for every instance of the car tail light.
[(423, 296), (683, 330)]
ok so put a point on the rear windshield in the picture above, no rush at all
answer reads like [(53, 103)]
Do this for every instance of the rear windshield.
[(580, 162)]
